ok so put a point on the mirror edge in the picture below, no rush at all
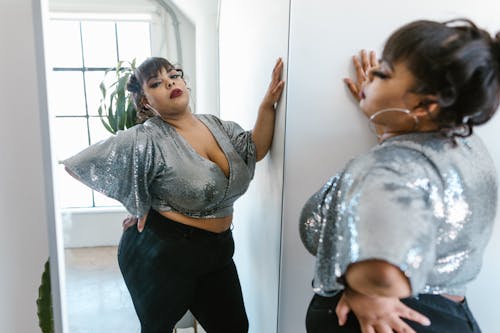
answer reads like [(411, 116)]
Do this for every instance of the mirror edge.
[(40, 16)]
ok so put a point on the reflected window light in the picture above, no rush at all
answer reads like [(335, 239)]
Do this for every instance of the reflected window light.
[(80, 50)]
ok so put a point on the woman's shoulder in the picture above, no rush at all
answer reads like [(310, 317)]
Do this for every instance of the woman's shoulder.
[(151, 124), (392, 151), (398, 156), (152, 127), (138, 135), (428, 153), (436, 146), (417, 146)]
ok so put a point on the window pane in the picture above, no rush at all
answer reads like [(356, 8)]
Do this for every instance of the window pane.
[(70, 192), (92, 81), (99, 44), (66, 94), (97, 130), (134, 41), (69, 136), (64, 44), (67, 91)]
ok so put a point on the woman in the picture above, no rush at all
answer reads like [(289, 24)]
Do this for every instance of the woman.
[(401, 230), (179, 174)]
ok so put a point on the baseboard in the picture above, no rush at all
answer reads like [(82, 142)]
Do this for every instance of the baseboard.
[(91, 227)]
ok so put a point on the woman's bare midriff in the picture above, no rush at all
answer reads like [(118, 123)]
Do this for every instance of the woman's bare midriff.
[(454, 298), (216, 225)]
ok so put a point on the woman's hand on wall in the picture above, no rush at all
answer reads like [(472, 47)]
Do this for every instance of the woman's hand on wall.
[(263, 130), (275, 88), (362, 64)]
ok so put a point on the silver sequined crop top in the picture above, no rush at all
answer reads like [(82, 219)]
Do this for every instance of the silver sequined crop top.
[(418, 201), (151, 165)]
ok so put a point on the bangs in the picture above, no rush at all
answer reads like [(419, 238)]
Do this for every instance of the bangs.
[(151, 67)]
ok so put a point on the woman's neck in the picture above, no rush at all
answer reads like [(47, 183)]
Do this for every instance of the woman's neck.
[(180, 120), (385, 133)]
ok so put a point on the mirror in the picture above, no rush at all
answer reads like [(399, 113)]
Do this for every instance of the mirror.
[(320, 54), (82, 40)]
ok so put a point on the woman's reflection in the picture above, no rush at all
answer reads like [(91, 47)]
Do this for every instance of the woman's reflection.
[(401, 231), (178, 175)]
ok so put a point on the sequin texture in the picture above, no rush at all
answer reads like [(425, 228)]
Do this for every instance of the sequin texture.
[(420, 201)]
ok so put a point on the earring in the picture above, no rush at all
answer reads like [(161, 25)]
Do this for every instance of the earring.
[(371, 123)]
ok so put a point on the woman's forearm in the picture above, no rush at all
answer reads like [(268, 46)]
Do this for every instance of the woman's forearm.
[(263, 130), (378, 278)]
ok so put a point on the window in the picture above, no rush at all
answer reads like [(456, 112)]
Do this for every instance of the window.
[(80, 50)]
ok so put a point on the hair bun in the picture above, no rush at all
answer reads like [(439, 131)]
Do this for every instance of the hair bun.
[(133, 84), (495, 46)]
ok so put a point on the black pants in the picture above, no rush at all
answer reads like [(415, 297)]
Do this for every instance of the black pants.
[(171, 267), (446, 316)]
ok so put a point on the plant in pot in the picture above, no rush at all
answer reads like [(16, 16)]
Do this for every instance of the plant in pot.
[(117, 111)]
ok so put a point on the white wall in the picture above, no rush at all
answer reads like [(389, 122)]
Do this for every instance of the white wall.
[(80, 225), (23, 172), (251, 39), (204, 15), (186, 56), (324, 128)]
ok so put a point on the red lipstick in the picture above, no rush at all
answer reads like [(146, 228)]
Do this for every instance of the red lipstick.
[(175, 93)]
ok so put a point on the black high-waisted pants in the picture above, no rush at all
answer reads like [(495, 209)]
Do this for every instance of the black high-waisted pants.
[(446, 316), (171, 267)]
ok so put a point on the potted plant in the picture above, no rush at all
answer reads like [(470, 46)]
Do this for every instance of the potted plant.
[(117, 110)]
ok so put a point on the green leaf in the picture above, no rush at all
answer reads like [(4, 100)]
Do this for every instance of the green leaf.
[(99, 111), (121, 115), (112, 118), (107, 127), (131, 113), (119, 67), (44, 302), (121, 100), (102, 87)]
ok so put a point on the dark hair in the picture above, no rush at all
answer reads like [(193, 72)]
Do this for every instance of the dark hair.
[(149, 68), (456, 61)]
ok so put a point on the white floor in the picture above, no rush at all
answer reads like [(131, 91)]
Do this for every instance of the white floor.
[(97, 299)]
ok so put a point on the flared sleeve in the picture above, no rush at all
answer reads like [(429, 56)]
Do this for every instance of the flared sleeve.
[(385, 206), (242, 142), (121, 167)]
